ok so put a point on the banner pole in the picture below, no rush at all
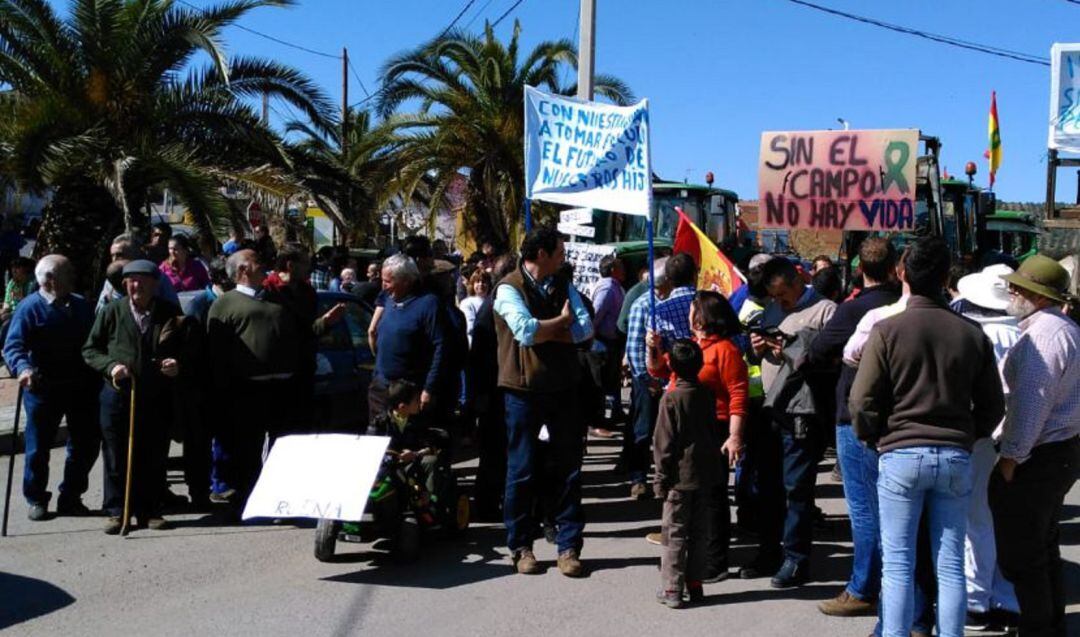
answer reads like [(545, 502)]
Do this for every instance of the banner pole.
[(528, 215), (652, 282)]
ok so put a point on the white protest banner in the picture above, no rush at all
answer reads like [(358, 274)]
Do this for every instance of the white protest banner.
[(587, 154), (576, 215), (1065, 97), (586, 260), (317, 476), (576, 230)]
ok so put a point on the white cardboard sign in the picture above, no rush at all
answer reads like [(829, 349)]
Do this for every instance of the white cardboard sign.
[(576, 215), (1065, 97), (576, 230), (317, 476)]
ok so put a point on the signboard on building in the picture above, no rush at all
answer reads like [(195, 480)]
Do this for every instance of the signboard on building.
[(1065, 97)]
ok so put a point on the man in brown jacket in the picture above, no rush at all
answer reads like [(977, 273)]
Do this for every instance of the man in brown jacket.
[(539, 317), (926, 389), (686, 449)]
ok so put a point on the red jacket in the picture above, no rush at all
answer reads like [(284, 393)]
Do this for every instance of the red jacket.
[(724, 372)]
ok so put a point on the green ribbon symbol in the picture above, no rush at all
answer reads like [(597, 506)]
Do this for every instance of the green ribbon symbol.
[(894, 167)]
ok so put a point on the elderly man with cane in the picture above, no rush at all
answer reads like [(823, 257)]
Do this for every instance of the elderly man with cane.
[(43, 352), (127, 345)]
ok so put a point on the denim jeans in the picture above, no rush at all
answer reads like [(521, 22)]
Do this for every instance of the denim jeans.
[(939, 478), (43, 415), (859, 465), (526, 413), (644, 406), (787, 473)]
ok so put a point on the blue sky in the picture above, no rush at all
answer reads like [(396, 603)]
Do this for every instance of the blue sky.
[(719, 73)]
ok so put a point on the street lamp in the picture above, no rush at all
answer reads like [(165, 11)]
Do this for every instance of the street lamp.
[(844, 123)]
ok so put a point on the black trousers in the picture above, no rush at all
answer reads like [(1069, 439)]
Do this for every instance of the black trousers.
[(1026, 514), (151, 446), (491, 473)]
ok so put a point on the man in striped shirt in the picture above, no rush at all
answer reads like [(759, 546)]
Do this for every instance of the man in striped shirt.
[(1040, 444)]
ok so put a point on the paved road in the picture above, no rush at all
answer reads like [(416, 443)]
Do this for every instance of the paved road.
[(66, 577)]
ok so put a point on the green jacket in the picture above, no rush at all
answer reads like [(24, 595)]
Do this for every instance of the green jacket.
[(115, 340)]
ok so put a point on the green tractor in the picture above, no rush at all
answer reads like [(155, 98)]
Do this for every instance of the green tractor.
[(714, 210)]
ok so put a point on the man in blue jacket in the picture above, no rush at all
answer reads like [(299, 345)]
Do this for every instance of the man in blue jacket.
[(44, 350)]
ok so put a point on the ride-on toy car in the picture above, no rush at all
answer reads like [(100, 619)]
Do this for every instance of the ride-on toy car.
[(400, 508)]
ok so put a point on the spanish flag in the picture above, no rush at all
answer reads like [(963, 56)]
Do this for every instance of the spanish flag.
[(994, 131), (715, 271)]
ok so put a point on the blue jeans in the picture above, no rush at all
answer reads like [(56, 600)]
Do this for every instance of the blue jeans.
[(644, 406), (787, 472), (859, 465), (939, 478), (526, 413), (43, 415)]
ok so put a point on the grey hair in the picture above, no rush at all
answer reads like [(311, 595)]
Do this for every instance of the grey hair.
[(237, 259), (658, 272), (131, 248), (53, 266), (402, 268)]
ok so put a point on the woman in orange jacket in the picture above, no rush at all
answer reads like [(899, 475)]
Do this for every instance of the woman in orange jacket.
[(714, 325)]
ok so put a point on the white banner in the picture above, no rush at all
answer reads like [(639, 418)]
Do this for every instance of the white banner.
[(1065, 97), (317, 476), (587, 154), (586, 259)]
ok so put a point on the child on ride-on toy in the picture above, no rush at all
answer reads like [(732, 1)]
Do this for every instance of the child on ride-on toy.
[(412, 444)]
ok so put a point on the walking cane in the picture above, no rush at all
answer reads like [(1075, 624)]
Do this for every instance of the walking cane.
[(11, 460), (125, 526)]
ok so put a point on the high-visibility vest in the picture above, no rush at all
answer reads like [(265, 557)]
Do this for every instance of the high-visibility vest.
[(749, 311)]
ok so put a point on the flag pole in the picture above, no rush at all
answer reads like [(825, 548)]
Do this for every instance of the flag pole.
[(652, 282), (528, 215)]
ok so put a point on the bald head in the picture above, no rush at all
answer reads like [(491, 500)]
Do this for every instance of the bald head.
[(55, 275), (243, 267)]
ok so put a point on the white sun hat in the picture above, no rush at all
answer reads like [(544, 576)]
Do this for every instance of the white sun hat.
[(987, 288)]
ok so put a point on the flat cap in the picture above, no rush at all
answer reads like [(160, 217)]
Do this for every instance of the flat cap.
[(141, 266)]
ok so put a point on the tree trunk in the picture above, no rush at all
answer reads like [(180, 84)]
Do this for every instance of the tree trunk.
[(79, 223)]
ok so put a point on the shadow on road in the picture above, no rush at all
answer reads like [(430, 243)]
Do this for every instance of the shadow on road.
[(442, 564), (26, 598)]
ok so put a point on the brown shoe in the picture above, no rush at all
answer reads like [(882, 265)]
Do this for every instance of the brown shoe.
[(525, 562), (112, 526), (655, 538), (845, 605), (158, 524), (639, 491), (570, 564)]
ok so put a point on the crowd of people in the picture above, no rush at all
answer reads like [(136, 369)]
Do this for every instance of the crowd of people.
[(953, 405)]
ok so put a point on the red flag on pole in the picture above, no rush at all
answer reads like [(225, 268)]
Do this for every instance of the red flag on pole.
[(715, 271)]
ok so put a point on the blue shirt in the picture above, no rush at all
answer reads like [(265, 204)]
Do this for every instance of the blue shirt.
[(636, 326), (230, 246), (48, 337), (673, 315), (412, 341), (510, 306)]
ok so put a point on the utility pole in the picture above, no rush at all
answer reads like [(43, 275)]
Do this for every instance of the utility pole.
[(586, 50), (344, 101)]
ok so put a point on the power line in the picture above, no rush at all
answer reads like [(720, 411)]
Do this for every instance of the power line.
[(357, 77), (457, 17), (963, 44), (272, 38), (478, 14), (512, 7)]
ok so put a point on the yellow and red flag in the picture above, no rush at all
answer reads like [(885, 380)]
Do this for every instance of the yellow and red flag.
[(994, 131), (715, 271)]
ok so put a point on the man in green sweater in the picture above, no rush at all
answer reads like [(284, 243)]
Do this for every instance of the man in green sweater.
[(253, 359), (126, 347)]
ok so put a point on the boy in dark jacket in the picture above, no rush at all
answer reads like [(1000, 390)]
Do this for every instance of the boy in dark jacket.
[(686, 449), (410, 440)]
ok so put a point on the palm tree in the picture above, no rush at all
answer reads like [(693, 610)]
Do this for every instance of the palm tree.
[(469, 93), (347, 181), (106, 107)]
